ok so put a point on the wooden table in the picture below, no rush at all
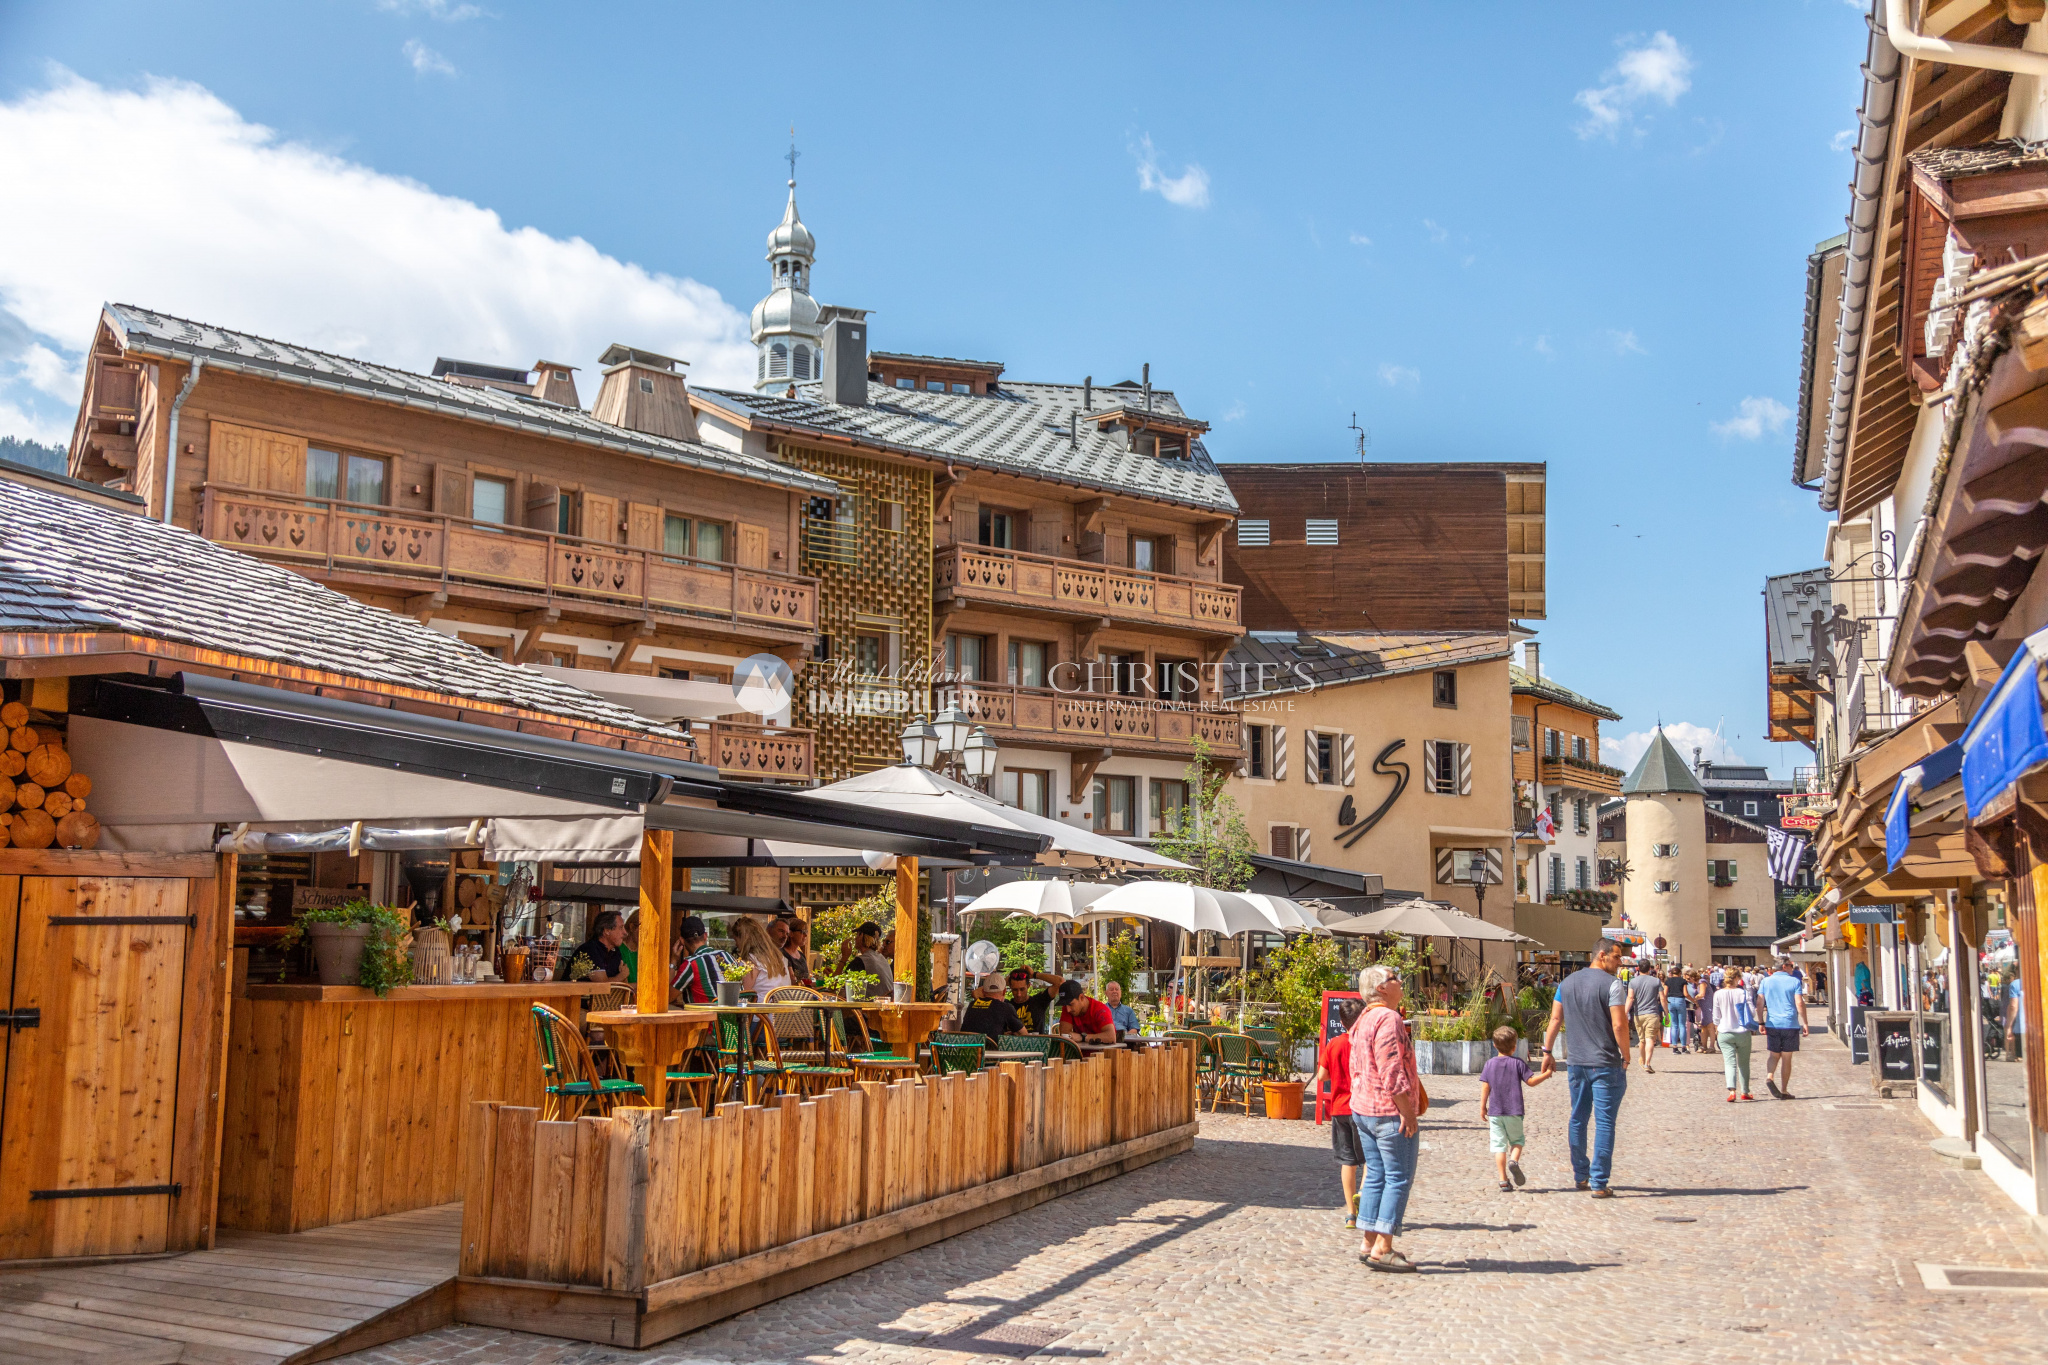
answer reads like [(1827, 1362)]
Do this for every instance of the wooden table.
[(652, 1043), (905, 1027), (994, 1056)]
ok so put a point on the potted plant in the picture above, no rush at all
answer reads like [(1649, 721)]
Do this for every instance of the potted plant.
[(357, 943), (1299, 971)]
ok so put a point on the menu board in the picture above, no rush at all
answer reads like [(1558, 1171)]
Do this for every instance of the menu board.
[(1859, 1039), (1891, 1037), (1333, 1023), (1930, 1049)]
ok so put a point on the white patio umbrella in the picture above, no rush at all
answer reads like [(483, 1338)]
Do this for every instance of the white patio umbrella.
[(1289, 917), (1197, 909), (1426, 919), (1051, 899)]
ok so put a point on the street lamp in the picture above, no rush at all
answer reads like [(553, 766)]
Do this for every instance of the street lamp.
[(920, 743), (979, 755), (953, 725)]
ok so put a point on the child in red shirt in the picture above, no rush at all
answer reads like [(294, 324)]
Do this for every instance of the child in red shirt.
[(1333, 1064)]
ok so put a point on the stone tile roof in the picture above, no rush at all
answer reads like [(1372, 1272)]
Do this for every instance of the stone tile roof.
[(160, 334), (1661, 770), (1019, 428), (68, 566), (1332, 660), (1531, 685)]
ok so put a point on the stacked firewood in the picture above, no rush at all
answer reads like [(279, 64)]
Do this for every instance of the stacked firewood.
[(42, 800)]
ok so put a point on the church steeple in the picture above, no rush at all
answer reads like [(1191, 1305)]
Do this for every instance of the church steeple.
[(785, 325)]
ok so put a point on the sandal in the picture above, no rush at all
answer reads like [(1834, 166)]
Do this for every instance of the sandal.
[(1393, 1263), (1506, 1188)]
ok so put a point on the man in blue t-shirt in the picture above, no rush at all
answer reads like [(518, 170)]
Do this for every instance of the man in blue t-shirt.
[(1591, 1008), (1784, 1025)]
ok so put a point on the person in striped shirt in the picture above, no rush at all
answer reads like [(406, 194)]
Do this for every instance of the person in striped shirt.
[(700, 966)]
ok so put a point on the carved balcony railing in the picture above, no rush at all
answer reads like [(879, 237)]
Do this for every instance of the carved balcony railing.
[(1562, 770), (739, 749), (978, 575), (433, 547), (1022, 714)]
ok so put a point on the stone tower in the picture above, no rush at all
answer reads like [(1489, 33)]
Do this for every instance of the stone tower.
[(1667, 853)]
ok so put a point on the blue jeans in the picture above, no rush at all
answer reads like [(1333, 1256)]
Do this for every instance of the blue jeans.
[(1389, 1171), (1596, 1093)]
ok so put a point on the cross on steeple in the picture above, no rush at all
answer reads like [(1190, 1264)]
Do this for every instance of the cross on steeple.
[(793, 155)]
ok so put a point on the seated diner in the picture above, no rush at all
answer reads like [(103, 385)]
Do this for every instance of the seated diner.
[(1084, 1018), (990, 1013), (598, 957)]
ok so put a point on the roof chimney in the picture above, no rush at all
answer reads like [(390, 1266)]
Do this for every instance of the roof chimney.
[(843, 362), (555, 382), (1148, 386), (1088, 394), (643, 391), (1532, 659)]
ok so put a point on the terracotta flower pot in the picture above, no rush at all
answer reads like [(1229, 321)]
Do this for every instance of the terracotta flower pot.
[(1283, 1099), (338, 951)]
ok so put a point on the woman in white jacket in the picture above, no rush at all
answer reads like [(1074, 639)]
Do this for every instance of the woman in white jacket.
[(1735, 1023)]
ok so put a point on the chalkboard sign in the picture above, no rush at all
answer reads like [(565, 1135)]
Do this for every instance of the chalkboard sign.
[(1892, 1037), (1859, 1040), (1333, 1018), (1930, 1048)]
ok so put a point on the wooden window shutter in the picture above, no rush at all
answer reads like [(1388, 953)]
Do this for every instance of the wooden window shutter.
[(1279, 753), (281, 466), (1280, 840), (1464, 770), (966, 519), (1347, 759), (643, 525), (1303, 842), (600, 518), (1183, 557), (543, 503), (1311, 757), (1429, 769), (451, 490), (753, 546), (1045, 531), (1446, 861), (231, 455)]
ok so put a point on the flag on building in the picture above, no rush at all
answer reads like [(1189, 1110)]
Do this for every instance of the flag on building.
[(1546, 828), (1786, 852)]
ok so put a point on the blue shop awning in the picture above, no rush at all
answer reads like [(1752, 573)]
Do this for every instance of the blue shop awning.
[(1925, 778), (2005, 740)]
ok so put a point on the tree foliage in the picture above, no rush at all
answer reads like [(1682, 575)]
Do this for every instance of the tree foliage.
[(1210, 835)]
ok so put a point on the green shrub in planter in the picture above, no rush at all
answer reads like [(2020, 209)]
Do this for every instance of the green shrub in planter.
[(386, 960)]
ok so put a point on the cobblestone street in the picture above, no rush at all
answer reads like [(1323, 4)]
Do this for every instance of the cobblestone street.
[(1807, 1222)]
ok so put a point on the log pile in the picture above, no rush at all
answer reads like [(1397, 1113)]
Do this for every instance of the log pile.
[(42, 798)]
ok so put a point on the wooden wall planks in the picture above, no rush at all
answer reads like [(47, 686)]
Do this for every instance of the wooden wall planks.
[(339, 1110)]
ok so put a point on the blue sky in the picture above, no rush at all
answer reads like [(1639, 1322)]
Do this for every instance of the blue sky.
[(1574, 234)]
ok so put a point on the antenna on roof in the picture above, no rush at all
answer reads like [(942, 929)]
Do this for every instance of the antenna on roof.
[(1364, 439)]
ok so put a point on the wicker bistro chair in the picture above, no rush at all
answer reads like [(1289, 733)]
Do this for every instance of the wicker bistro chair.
[(1240, 1066), (1268, 1040), (568, 1074), (858, 1051), (958, 1052), (1026, 1042), (1205, 1058), (749, 1061), (1064, 1049), (805, 1042)]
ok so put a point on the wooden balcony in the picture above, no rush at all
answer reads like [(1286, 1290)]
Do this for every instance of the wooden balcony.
[(977, 576), (1086, 720), (507, 566), (771, 753), (1582, 773)]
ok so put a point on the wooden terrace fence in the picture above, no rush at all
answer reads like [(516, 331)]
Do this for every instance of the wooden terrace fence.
[(633, 1228)]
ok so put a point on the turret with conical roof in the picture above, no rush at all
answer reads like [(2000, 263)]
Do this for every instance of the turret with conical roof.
[(1660, 769), (785, 326), (1666, 892)]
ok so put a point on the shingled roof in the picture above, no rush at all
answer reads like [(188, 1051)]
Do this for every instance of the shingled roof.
[(1019, 428), (1661, 770), (68, 566), (1292, 661), (173, 338), (1531, 685)]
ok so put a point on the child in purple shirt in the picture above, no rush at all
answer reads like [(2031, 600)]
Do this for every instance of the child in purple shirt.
[(1500, 1099)]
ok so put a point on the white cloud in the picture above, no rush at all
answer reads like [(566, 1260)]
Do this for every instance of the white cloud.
[(1842, 141), (1624, 342), (1625, 751), (425, 61), (1753, 417), (1235, 412), (1360, 239), (1189, 189), (1657, 70), (254, 232), (1543, 346), (1436, 234), (444, 10), (1399, 376)]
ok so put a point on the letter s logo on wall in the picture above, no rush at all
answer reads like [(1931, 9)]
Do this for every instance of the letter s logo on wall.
[(1352, 829)]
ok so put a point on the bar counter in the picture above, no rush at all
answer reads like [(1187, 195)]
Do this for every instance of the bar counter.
[(342, 1105)]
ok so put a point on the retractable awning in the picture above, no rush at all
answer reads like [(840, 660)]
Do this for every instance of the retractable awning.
[(2005, 740), (170, 762), (1929, 790)]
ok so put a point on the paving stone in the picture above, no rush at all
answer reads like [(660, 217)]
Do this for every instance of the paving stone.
[(1808, 1220)]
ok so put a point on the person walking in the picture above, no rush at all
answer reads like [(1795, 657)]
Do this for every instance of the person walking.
[(1735, 1025), (1646, 1009), (1677, 1011), (1592, 1009), (1501, 1082), (1784, 1000), (1333, 1069), (1386, 1104)]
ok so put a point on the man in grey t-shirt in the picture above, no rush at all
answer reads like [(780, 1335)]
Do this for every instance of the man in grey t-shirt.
[(1646, 1008), (1592, 1009)]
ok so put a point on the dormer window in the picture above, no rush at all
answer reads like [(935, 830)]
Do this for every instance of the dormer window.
[(906, 383), (935, 385)]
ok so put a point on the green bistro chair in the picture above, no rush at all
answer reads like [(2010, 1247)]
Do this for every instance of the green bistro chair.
[(1205, 1057), (1037, 1043), (569, 1078), (857, 1050), (958, 1052), (804, 1042), (1240, 1066), (1065, 1049), (751, 1068), (1268, 1040)]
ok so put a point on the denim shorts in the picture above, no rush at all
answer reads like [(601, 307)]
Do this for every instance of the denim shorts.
[(1503, 1131), (1344, 1138)]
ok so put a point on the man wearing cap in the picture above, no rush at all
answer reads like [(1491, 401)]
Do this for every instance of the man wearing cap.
[(1084, 1018), (700, 966), (990, 1013)]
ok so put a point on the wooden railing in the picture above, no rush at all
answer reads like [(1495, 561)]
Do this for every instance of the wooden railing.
[(632, 1228), (976, 573), (434, 546), (1094, 717), (778, 753), (1565, 771)]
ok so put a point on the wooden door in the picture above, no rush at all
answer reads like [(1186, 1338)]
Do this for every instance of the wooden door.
[(753, 546), (86, 1106)]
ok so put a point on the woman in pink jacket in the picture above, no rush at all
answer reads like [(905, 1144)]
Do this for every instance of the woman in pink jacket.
[(1385, 1099)]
